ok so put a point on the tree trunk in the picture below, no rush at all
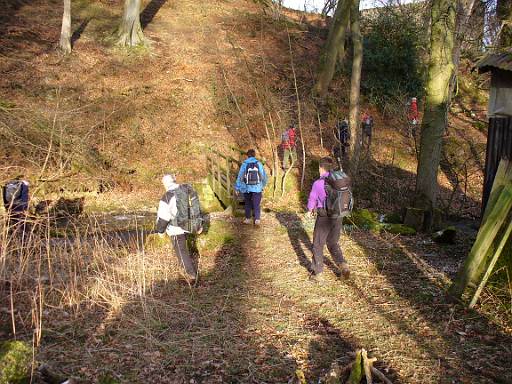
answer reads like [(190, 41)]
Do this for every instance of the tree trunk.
[(130, 31), (355, 87), (65, 32), (329, 54), (504, 11), (435, 117), (464, 12)]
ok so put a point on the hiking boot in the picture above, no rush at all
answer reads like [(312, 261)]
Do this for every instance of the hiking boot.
[(316, 278), (246, 221), (257, 222), (345, 270)]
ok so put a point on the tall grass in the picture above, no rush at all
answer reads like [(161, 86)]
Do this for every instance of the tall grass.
[(49, 267)]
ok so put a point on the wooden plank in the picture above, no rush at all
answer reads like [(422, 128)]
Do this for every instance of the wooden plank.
[(490, 268), (503, 174), (484, 240)]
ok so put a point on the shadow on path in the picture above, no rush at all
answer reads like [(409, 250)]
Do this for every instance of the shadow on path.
[(299, 238), (78, 32), (150, 12)]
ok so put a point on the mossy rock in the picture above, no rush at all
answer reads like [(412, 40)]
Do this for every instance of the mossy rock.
[(365, 219), (445, 236), (155, 241), (393, 218), (208, 200), (399, 229), (414, 218), (15, 361), (219, 233)]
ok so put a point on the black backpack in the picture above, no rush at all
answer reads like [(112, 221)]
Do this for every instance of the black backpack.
[(252, 174), (13, 193), (189, 217), (339, 201)]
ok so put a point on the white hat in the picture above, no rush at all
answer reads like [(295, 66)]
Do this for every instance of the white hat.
[(168, 180)]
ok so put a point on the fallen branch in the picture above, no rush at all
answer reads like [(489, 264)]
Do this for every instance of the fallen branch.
[(380, 375)]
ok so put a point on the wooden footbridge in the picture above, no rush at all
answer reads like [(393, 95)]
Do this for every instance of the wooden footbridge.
[(222, 173)]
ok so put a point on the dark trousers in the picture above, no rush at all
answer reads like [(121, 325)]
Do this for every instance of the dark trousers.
[(179, 243), (252, 205), (327, 231)]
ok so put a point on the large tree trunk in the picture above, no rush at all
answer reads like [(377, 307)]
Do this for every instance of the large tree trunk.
[(329, 53), (130, 31), (65, 32), (435, 117), (355, 87), (504, 11)]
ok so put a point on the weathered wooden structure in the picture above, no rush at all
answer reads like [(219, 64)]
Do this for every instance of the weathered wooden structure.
[(499, 137), (222, 172)]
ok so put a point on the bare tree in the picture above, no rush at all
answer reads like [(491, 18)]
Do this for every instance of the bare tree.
[(504, 13), (435, 118), (355, 87), (330, 51), (130, 30), (65, 32)]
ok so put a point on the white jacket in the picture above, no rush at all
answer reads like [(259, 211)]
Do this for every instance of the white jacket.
[(167, 211)]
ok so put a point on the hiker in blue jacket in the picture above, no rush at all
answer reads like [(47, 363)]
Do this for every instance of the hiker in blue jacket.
[(251, 181)]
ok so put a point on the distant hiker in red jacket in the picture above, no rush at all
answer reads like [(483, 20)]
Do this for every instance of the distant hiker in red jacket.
[(289, 146), (413, 116), (413, 112)]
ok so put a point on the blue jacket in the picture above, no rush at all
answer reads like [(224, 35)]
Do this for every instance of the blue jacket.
[(240, 185)]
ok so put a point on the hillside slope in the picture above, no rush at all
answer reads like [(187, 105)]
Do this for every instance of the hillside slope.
[(213, 73)]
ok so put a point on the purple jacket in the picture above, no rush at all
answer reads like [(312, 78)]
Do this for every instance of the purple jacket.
[(317, 195)]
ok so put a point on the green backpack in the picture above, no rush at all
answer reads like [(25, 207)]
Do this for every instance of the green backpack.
[(189, 217)]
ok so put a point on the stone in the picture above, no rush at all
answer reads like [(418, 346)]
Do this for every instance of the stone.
[(399, 229), (445, 236), (414, 218), (208, 200)]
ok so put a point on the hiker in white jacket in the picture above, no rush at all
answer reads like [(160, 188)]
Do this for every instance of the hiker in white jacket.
[(167, 223)]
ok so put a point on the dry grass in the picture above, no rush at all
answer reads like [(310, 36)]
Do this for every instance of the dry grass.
[(100, 308), (103, 309)]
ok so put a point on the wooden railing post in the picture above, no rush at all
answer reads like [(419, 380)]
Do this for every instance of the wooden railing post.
[(228, 176)]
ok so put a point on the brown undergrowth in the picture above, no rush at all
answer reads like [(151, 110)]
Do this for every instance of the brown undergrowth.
[(102, 306), (106, 123)]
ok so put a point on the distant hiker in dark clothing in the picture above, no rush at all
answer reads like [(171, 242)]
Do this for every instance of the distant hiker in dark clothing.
[(15, 195), (342, 135), (367, 123), (179, 216), (251, 181), (327, 228), (289, 146)]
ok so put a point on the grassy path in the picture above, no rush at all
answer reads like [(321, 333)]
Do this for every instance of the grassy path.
[(254, 317)]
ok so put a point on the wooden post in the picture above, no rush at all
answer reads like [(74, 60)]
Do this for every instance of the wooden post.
[(490, 268), (228, 176), (486, 235)]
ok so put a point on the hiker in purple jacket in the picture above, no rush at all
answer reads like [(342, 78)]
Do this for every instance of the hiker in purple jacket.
[(327, 229)]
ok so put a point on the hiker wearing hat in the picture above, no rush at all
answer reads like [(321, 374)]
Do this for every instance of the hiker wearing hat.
[(289, 146), (179, 216)]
